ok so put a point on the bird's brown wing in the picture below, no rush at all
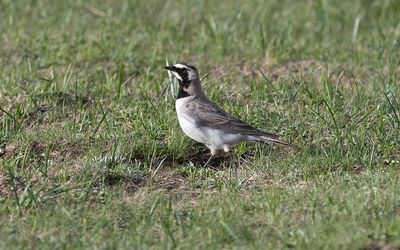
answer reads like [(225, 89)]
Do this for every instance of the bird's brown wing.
[(208, 114)]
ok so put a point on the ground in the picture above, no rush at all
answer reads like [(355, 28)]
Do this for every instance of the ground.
[(92, 156)]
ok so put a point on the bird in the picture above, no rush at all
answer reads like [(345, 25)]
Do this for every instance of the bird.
[(206, 122)]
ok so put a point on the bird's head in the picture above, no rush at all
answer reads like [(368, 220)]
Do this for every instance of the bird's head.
[(185, 73)]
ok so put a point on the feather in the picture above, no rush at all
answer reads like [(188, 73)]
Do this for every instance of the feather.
[(208, 114)]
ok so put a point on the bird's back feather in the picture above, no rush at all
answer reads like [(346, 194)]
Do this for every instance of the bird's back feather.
[(208, 114)]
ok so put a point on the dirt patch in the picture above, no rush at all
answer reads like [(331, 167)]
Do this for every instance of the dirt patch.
[(67, 149), (132, 183), (15, 56), (40, 114), (2, 149), (8, 150), (374, 245), (37, 115), (173, 179), (69, 98), (37, 150), (167, 179), (196, 154), (9, 186), (58, 152), (245, 69), (4, 190), (268, 67), (199, 155), (10, 102), (63, 99), (187, 199), (292, 68), (274, 72)]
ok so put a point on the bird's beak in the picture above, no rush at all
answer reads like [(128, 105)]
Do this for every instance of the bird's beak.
[(171, 68)]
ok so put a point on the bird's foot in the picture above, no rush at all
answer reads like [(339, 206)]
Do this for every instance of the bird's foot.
[(208, 161)]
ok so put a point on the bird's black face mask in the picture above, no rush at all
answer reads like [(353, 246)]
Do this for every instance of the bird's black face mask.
[(182, 74)]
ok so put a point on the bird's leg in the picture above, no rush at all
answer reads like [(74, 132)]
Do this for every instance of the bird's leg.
[(213, 153), (231, 158), (208, 161), (227, 149)]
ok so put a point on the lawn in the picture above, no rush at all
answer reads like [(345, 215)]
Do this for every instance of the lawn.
[(92, 156)]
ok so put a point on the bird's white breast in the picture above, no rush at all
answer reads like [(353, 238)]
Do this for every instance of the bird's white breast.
[(187, 121), (214, 138)]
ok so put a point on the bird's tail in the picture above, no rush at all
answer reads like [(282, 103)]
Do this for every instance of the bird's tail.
[(274, 139)]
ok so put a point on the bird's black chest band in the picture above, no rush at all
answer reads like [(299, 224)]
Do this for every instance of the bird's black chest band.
[(181, 93)]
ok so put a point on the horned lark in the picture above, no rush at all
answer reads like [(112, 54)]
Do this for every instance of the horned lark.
[(207, 123)]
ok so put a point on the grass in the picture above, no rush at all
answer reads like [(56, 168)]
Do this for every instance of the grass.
[(92, 156)]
